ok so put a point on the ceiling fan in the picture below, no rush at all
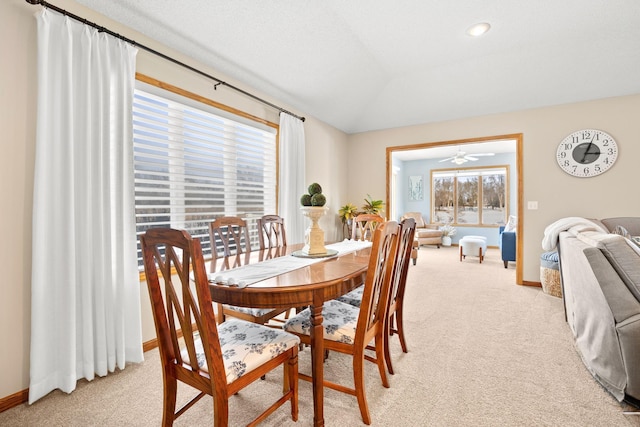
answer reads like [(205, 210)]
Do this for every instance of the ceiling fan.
[(462, 157)]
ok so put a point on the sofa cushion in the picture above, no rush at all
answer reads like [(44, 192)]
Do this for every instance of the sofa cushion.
[(631, 224), (621, 231), (624, 256), (417, 216)]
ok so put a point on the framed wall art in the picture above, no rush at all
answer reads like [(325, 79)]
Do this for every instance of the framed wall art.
[(415, 187)]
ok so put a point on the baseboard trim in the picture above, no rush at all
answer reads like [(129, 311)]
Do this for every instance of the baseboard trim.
[(14, 400), (21, 397), (528, 283), (149, 345)]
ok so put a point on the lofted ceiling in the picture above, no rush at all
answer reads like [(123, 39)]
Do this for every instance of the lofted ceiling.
[(365, 65)]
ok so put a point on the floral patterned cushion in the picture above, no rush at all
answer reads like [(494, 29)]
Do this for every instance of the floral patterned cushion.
[(256, 312), (245, 346), (354, 297), (340, 320)]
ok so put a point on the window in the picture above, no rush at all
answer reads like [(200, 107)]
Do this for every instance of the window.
[(470, 196), (194, 163)]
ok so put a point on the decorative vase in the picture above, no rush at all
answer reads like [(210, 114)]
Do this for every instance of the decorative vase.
[(446, 241), (314, 236)]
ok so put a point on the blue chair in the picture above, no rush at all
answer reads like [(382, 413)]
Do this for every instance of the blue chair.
[(507, 244)]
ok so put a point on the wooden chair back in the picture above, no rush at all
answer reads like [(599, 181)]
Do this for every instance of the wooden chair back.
[(375, 298), (271, 232), (371, 318), (181, 316), (272, 237), (188, 337), (232, 235), (364, 226), (398, 285)]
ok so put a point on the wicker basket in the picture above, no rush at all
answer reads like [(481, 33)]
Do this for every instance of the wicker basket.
[(550, 280)]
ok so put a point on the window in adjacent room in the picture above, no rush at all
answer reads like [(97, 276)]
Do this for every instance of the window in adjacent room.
[(194, 163), (470, 196)]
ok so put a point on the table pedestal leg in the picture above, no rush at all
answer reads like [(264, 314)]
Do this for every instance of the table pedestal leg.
[(317, 360)]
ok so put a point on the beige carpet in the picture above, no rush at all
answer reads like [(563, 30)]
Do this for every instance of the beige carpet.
[(482, 352)]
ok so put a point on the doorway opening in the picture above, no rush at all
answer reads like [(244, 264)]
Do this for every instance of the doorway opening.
[(455, 153)]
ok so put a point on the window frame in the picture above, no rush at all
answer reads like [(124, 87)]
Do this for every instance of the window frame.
[(175, 94), (468, 171)]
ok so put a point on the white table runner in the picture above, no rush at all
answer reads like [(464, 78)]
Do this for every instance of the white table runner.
[(252, 273)]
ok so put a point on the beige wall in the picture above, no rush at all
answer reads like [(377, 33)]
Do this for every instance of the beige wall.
[(325, 145), (348, 167), (558, 194)]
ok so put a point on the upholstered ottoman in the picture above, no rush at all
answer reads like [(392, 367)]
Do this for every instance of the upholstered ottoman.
[(550, 274), (474, 246)]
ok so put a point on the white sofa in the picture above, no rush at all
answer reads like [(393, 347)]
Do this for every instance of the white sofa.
[(600, 276)]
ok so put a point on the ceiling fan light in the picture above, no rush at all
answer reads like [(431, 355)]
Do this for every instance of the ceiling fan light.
[(458, 160)]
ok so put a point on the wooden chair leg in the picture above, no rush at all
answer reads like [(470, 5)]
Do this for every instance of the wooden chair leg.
[(387, 339), (358, 382), (220, 313), (290, 383), (169, 405), (400, 330)]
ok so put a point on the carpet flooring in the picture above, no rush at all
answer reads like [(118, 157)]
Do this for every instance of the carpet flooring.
[(483, 351)]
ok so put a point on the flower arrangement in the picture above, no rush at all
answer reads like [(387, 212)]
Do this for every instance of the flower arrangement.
[(448, 230)]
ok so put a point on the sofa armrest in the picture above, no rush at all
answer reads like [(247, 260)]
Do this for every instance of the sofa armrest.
[(507, 244)]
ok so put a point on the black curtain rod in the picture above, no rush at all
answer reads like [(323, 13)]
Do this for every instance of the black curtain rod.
[(160, 54)]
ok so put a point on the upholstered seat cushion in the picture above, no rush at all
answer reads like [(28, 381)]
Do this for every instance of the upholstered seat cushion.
[(340, 320), (256, 312), (245, 346), (426, 234), (417, 216), (354, 297)]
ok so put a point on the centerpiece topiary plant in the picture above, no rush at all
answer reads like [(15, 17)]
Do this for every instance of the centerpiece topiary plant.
[(314, 197)]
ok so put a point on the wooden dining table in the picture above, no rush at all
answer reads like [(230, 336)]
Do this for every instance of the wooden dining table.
[(311, 286)]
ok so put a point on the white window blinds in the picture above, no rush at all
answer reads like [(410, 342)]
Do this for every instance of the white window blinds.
[(192, 165)]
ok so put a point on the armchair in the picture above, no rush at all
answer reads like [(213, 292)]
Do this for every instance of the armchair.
[(507, 244), (426, 234)]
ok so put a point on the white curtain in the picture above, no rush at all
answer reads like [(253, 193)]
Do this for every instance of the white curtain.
[(85, 300), (292, 176)]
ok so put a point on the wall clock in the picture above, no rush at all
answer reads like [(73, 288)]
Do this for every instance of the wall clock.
[(587, 152)]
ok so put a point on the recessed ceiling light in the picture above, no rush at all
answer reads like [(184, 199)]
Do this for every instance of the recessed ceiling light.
[(478, 29)]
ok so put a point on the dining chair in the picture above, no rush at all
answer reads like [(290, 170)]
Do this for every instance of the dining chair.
[(232, 234), (271, 232), (395, 315), (348, 329), (364, 225), (218, 360)]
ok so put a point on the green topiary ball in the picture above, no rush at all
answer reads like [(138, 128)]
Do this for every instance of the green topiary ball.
[(318, 199), (315, 189), (305, 200)]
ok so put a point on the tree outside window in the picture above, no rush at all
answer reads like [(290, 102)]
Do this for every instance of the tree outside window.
[(474, 196)]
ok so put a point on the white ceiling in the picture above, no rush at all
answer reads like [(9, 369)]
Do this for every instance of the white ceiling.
[(364, 65), (495, 147)]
